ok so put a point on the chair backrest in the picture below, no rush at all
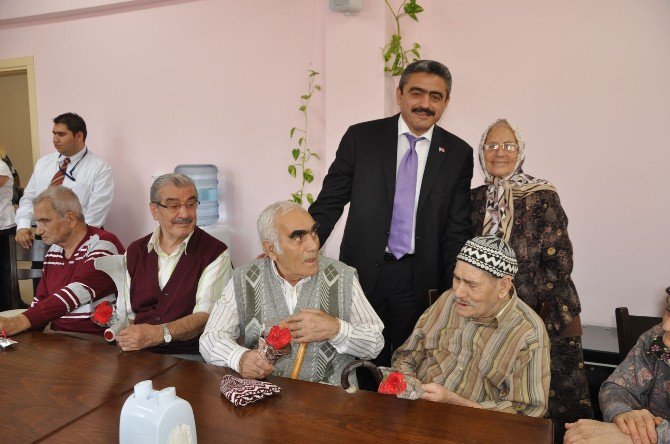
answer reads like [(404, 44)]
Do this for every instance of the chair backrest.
[(17, 254), (433, 296), (629, 328)]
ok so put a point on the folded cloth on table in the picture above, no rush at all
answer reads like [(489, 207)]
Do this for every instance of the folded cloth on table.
[(242, 392)]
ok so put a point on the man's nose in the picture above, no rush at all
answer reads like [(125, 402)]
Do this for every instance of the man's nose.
[(182, 212), (39, 230), (313, 244)]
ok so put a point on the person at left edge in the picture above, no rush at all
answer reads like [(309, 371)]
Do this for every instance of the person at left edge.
[(175, 274), (78, 169), (7, 228)]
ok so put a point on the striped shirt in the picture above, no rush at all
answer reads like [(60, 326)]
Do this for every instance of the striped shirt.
[(359, 336), (502, 364), (211, 282), (71, 287)]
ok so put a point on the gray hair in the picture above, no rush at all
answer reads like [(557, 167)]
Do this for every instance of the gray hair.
[(62, 200), (176, 179), (266, 224), (427, 66)]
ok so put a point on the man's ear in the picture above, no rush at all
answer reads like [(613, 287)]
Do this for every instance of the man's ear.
[(71, 218), (505, 286), (154, 210), (269, 249)]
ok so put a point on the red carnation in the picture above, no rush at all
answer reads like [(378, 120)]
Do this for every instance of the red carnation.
[(395, 383), (102, 313), (278, 337)]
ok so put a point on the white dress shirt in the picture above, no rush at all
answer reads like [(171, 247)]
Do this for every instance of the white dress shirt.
[(6, 194), (92, 184), (210, 285), (422, 148), (360, 337)]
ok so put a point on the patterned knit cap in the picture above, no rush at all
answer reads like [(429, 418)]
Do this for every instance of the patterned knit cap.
[(490, 253)]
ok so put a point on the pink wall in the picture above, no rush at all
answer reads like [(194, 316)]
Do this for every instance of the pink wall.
[(587, 84), (193, 81)]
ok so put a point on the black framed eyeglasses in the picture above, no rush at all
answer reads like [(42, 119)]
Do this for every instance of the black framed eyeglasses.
[(174, 207)]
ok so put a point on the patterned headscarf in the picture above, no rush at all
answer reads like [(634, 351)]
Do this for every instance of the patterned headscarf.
[(501, 192)]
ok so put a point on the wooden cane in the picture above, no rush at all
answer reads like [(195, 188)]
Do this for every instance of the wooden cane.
[(297, 363)]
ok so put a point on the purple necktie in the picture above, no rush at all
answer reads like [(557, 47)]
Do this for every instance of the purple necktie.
[(400, 237)]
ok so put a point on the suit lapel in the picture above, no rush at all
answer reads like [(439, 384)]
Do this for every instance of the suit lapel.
[(389, 154), (436, 155)]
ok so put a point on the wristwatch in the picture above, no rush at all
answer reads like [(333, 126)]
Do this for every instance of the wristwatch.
[(167, 336)]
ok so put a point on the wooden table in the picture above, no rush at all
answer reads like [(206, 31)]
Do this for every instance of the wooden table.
[(309, 412), (50, 381)]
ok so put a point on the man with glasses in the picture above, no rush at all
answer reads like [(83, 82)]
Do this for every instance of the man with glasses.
[(174, 276), (319, 299)]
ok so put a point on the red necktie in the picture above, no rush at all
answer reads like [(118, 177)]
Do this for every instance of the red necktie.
[(60, 174)]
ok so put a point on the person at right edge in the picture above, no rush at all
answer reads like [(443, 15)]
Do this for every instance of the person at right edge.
[(527, 213), (408, 185)]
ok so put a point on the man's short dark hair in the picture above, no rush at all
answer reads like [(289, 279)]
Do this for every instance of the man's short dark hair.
[(427, 66), (73, 121)]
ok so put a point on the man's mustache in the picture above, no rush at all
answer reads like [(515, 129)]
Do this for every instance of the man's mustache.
[(182, 220), (430, 112), (464, 302)]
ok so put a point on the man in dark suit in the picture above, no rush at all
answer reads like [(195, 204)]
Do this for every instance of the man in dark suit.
[(408, 184)]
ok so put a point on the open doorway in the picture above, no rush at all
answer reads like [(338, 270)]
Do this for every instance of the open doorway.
[(18, 114), (18, 126)]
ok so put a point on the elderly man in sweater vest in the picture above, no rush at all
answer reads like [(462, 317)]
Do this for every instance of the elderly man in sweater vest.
[(174, 276), (320, 299)]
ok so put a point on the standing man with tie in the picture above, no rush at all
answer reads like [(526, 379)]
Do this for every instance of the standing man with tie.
[(408, 184), (74, 167)]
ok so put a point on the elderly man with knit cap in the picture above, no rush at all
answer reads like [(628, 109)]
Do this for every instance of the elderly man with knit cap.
[(480, 345)]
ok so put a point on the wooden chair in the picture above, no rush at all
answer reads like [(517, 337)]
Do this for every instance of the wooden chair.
[(433, 296), (629, 328), (17, 253)]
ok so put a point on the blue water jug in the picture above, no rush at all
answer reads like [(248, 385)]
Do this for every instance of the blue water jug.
[(206, 182)]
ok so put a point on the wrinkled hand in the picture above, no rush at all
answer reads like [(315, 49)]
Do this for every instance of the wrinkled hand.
[(639, 424), (139, 336), (311, 325), (436, 393), (254, 366), (594, 432), (14, 325), (24, 237)]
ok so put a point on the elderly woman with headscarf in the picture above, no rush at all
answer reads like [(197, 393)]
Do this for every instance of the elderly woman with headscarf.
[(527, 213)]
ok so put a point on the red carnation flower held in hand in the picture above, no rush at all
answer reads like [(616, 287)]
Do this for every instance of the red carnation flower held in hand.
[(102, 313), (278, 337), (275, 345), (394, 384)]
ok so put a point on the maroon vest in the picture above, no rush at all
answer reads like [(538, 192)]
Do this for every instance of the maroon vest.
[(177, 299)]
